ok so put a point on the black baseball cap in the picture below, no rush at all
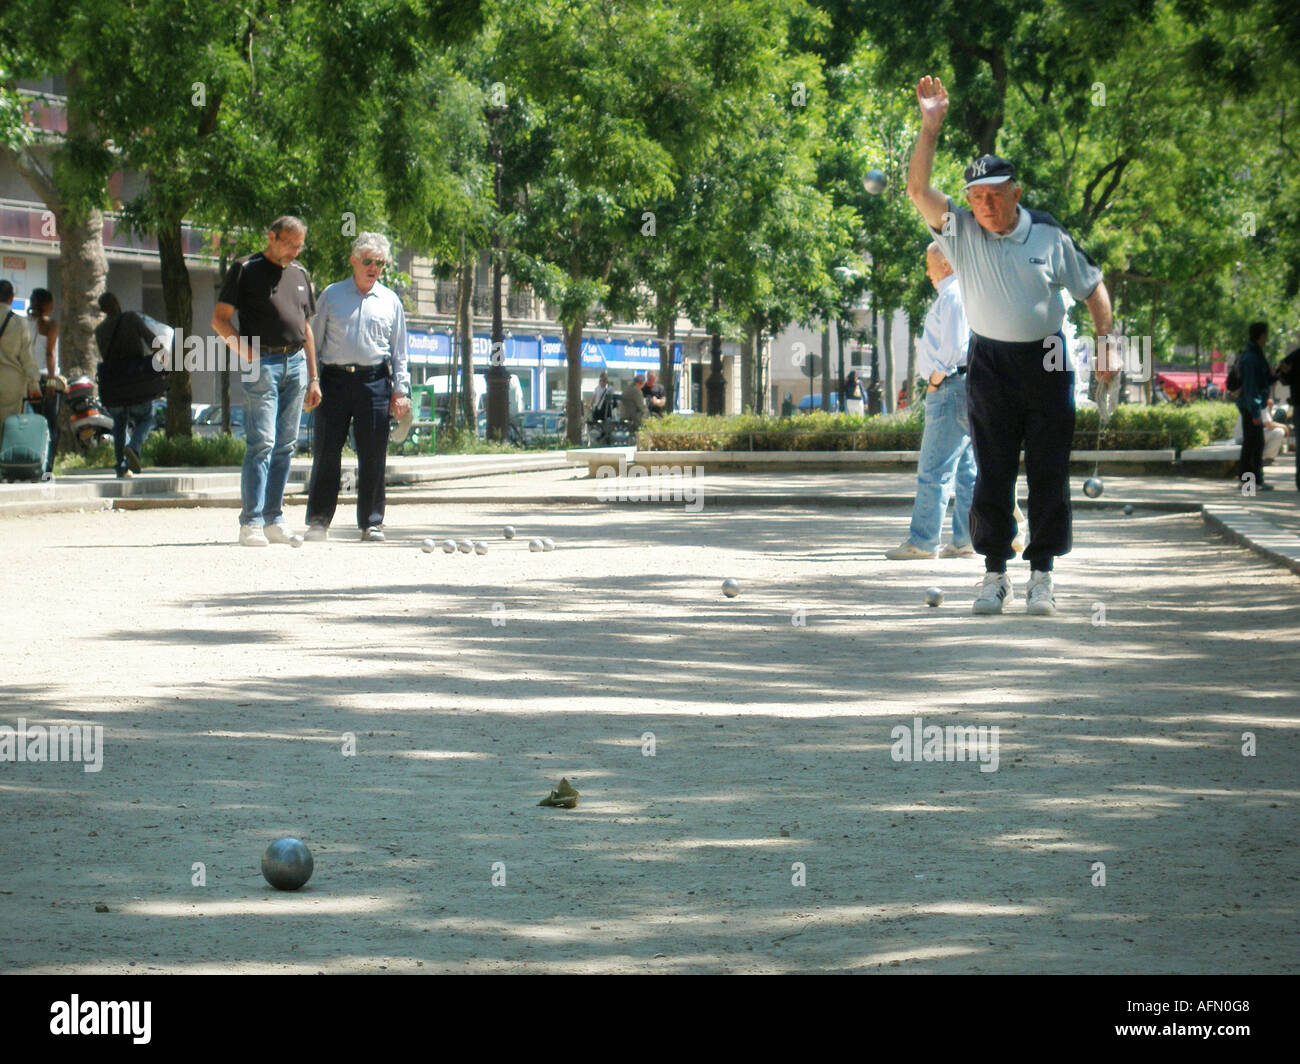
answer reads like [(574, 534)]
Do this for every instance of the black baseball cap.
[(989, 170)]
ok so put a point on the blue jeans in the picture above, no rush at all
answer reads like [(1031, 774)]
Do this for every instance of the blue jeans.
[(272, 409), (946, 467), (141, 418)]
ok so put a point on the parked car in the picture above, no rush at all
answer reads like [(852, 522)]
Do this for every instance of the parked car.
[(210, 423), (307, 432), (197, 410), (535, 423), (512, 433), (814, 402)]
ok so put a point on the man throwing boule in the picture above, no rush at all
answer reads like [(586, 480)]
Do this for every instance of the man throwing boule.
[(1012, 266)]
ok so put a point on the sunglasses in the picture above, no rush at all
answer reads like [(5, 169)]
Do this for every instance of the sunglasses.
[(381, 263)]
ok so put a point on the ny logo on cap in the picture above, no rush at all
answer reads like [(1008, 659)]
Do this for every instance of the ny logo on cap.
[(979, 166)]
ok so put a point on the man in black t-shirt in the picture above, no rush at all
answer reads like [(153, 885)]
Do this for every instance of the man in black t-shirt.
[(273, 297), (656, 403)]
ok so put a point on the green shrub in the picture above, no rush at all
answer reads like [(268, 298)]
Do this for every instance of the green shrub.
[(220, 450), (100, 456), (466, 441), (1131, 427), (817, 431), (1149, 427)]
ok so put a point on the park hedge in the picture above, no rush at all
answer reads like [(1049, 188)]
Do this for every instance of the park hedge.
[(1131, 427)]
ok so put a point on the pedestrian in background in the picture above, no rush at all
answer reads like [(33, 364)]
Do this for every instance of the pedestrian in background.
[(129, 381), (19, 371), (45, 345), (946, 466), (1256, 379)]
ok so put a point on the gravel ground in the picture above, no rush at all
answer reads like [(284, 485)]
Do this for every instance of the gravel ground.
[(772, 830)]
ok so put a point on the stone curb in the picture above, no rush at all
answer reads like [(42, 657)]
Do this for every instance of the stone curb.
[(1254, 533)]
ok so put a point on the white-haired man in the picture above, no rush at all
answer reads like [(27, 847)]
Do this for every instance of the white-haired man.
[(360, 331), (1013, 266)]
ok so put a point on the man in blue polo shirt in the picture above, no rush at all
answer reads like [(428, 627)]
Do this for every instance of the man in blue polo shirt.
[(360, 330), (1013, 266)]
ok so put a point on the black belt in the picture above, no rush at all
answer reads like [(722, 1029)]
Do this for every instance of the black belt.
[(270, 350), (362, 372)]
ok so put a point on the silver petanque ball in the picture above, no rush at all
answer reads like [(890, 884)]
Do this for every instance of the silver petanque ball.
[(1128, 509), (449, 546), (295, 541), (428, 546), (287, 864), (480, 547), (466, 547), (933, 596), (536, 545), (1092, 487), (508, 531), (548, 543), (730, 587)]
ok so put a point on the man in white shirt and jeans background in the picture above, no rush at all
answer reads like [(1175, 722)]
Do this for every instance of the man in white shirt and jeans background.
[(946, 465)]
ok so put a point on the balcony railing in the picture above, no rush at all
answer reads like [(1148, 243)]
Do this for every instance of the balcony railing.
[(521, 303), (35, 224)]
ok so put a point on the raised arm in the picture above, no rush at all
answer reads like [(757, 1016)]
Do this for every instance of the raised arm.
[(933, 101)]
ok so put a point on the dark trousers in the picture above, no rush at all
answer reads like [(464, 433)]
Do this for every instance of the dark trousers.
[(1252, 449), (50, 411), (361, 400), (1012, 399)]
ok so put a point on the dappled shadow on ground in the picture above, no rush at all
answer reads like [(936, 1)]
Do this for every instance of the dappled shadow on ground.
[(722, 752)]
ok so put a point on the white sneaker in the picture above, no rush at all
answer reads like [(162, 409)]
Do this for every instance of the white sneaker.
[(278, 532), (1041, 598), (252, 536), (316, 534), (954, 551), (906, 551), (995, 591)]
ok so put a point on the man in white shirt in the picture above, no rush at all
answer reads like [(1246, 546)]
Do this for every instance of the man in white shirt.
[(947, 462), (360, 331)]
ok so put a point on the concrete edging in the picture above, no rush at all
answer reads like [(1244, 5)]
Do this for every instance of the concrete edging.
[(1254, 533)]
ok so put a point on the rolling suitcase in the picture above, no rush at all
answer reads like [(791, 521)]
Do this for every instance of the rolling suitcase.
[(24, 446)]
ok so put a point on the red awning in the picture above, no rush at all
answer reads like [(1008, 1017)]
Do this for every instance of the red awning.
[(1186, 379)]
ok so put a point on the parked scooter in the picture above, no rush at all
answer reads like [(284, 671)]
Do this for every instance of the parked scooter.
[(87, 416)]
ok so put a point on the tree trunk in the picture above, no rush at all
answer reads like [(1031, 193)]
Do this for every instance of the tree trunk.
[(666, 375), (573, 382), (749, 367), (839, 365), (83, 270), (716, 385), (223, 265), (891, 403), (178, 298), (911, 359), (465, 326), (826, 365)]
